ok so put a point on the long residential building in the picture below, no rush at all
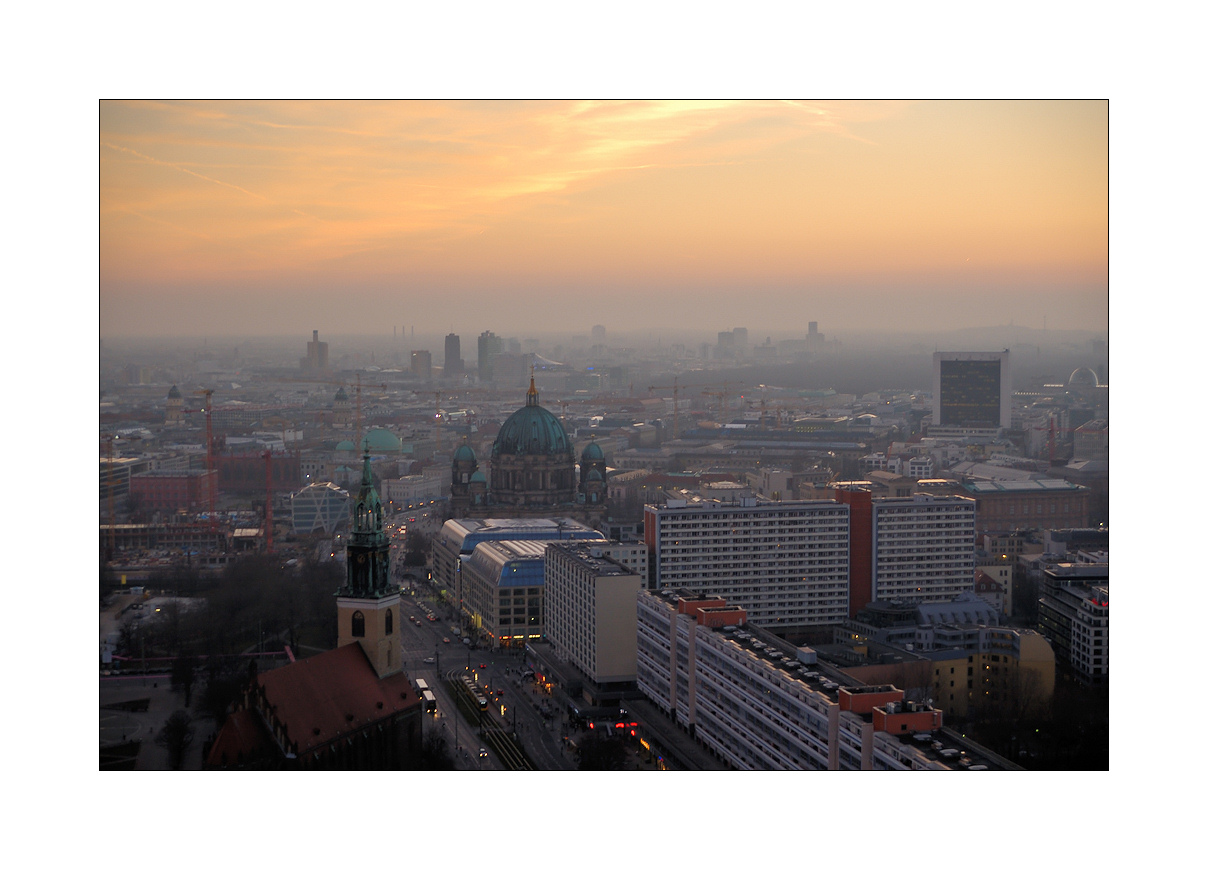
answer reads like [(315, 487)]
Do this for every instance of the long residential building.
[(796, 565), (761, 704), (786, 563), (923, 547)]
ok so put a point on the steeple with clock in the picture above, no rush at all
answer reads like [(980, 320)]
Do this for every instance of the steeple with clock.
[(368, 603)]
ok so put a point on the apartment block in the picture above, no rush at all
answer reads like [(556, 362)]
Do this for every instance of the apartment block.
[(591, 611), (759, 703), (923, 547), (785, 563)]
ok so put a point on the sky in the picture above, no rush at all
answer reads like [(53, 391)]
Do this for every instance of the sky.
[(279, 217)]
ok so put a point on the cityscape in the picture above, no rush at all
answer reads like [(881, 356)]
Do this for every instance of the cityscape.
[(603, 436)]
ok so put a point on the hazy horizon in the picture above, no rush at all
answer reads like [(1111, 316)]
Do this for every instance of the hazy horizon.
[(254, 218)]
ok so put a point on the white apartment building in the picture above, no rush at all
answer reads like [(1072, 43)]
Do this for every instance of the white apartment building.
[(923, 547), (413, 489), (590, 611), (760, 704), (785, 563)]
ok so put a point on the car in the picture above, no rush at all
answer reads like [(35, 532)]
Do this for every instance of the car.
[(446, 640), (482, 752), (430, 660)]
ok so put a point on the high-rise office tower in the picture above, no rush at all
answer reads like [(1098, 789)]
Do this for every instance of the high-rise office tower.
[(490, 346), (454, 365), (421, 363), (316, 354), (971, 390)]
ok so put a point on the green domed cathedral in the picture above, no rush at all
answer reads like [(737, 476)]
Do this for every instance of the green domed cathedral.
[(532, 471)]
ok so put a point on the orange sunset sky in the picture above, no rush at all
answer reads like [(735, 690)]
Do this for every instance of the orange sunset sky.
[(264, 218)]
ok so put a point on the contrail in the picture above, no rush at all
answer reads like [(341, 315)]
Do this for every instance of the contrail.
[(183, 169)]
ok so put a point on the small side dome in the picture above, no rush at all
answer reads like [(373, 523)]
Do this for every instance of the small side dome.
[(341, 396), (592, 453), (464, 453), (346, 446), (174, 393), (478, 477), (594, 474)]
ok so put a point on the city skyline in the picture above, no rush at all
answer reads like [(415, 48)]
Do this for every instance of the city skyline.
[(460, 216)]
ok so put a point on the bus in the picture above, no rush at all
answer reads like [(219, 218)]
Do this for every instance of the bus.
[(429, 701), (421, 686)]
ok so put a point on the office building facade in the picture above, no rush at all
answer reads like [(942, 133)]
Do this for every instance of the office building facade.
[(971, 392)]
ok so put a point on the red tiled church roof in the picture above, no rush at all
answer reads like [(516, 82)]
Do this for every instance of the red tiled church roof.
[(241, 739), (335, 693)]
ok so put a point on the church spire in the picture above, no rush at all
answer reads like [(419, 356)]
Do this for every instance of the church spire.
[(531, 399)]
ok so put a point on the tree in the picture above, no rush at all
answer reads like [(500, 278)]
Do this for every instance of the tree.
[(225, 679), (434, 755), (176, 736), (184, 674), (418, 546)]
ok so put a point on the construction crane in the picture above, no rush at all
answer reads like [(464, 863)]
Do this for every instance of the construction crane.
[(211, 477), (1052, 429), (674, 406), (268, 500), (722, 396), (436, 394), (112, 515)]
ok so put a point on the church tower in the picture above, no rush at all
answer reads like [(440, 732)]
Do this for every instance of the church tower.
[(175, 415), (368, 604)]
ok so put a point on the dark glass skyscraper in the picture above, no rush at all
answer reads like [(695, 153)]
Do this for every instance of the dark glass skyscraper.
[(971, 390), (454, 366)]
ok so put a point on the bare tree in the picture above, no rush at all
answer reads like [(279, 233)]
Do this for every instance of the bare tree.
[(176, 736)]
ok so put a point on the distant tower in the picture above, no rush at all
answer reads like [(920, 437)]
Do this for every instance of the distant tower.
[(421, 364), (341, 409), (175, 415), (316, 354), (368, 604), (454, 365), (598, 334), (740, 341), (465, 464), (593, 475), (490, 346)]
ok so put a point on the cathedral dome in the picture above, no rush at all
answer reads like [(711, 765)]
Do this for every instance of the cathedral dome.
[(382, 441), (531, 431), (592, 453), (464, 453)]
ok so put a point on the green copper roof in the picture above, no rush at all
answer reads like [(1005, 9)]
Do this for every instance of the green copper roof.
[(532, 430)]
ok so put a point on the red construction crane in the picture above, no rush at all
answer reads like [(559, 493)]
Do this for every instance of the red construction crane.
[(1052, 429)]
